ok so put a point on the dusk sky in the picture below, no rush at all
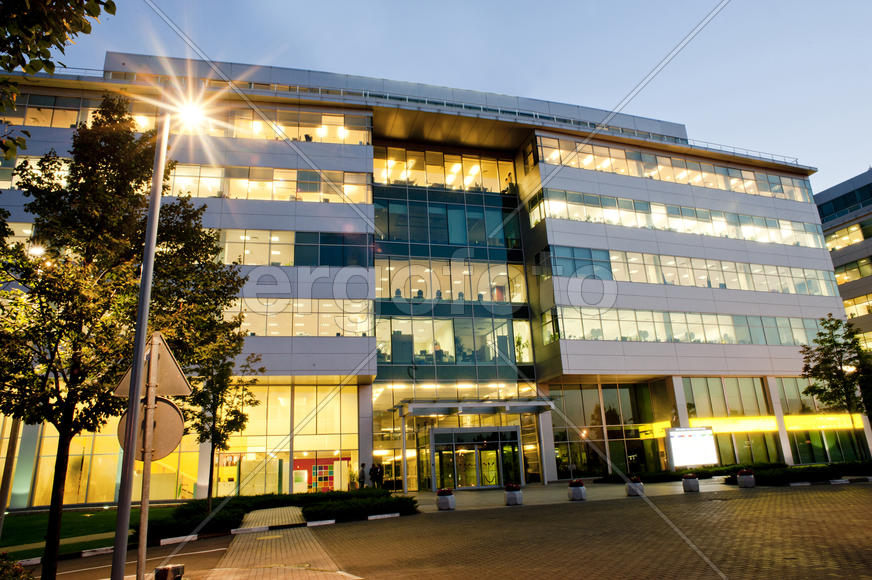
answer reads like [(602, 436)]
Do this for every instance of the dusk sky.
[(790, 78)]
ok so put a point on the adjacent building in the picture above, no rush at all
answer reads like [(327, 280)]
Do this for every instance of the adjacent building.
[(469, 288)]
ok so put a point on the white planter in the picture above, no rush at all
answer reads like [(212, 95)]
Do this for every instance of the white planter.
[(635, 489), (746, 481), (445, 502), (690, 485), (514, 498), (576, 493)]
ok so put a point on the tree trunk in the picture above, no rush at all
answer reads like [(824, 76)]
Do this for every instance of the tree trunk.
[(6, 485), (53, 533), (211, 477)]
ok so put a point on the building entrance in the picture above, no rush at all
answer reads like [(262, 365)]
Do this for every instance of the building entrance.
[(476, 458)]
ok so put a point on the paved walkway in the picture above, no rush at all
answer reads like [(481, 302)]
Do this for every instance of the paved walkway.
[(538, 494), (273, 517), (292, 554)]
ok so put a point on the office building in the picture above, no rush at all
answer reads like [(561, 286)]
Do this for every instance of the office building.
[(470, 288)]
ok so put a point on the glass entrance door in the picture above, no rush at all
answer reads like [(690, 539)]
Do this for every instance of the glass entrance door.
[(488, 468), (469, 458), (465, 460)]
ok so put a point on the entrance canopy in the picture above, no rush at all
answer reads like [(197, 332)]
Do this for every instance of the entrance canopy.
[(431, 408)]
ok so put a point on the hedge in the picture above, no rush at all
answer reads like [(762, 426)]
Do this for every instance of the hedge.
[(702, 473), (187, 516), (360, 508)]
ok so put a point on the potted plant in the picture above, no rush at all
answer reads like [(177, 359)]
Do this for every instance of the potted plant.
[(445, 499), (635, 487), (745, 478), (576, 490), (514, 495), (690, 482)]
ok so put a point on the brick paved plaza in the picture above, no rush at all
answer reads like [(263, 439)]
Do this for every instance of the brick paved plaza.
[(816, 532), (779, 533)]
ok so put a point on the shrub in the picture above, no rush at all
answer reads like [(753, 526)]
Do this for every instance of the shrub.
[(360, 508), (12, 570), (689, 476), (186, 517), (444, 491), (513, 487), (576, 483)]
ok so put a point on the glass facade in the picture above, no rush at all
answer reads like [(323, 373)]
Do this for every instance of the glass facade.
[(662, 167), (585, 207), (267, 183), (625, 423), (286, 248), (733, 407), (848, 236), (442, 170), (682, 271), (225, 120), (577, 323), (826, 437), (853, 270), (846, 203), (304, 317)]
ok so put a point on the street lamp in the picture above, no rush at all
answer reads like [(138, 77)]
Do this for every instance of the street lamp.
[(188, 113)]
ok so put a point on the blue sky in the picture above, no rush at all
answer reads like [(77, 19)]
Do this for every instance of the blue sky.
[(786, 77)]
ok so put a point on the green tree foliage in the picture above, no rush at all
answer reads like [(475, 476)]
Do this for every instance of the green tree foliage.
[(221, 393), (31, 30), (837, 365), (68, 302)]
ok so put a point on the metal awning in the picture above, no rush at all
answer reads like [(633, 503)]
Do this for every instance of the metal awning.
[(472, 407)]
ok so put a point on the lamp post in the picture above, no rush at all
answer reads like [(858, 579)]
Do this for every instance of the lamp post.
[(125, 492)]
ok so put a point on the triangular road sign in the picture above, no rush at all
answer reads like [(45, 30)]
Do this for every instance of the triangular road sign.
[(170, 378)]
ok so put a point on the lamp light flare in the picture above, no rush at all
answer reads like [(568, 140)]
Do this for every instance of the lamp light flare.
[(191, 114)]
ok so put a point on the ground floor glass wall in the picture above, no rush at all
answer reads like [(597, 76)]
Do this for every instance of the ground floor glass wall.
[(625, 423)]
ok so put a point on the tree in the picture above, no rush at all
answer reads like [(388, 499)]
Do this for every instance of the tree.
[(221, 394), (837, 367), (68, 303), (31, 30)]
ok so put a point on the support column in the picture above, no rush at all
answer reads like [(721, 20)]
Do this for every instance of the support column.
[(403, 459), (25, 467), (546, 448), (775, 402), (680, 401), (202, 485), (364, 425), (867, 430)]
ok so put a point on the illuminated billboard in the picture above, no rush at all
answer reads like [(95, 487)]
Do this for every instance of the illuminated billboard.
[(691, 447)]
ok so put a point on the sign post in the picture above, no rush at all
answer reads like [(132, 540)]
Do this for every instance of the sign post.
[(164, 377)]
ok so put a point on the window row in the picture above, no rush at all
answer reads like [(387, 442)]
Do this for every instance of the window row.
[(450, 280), (579, 406), (827, 446), (793, 400), (284, 248), (585, 207), (267, 123), (846, 203), (271, 184), (853, 270), (386, 395), (850, 235), (445, 223), (314, 410), (574, 323), (467, 172), (725, 396), (859, 306), (461, 341), (682, 271), (639, 163), (303, 317)]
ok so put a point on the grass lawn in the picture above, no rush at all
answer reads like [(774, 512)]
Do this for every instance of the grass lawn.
[(28, 528)]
